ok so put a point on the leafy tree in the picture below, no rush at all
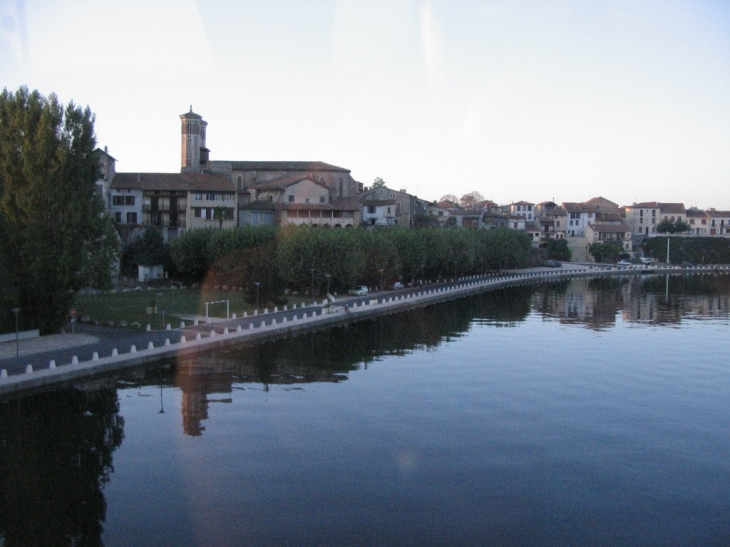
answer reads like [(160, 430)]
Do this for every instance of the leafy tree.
[(666, 226), (451, 222), (469, 200), (148, 250), (608, 251), (378, 183), (54, 236), (451, 198), (558, 249)]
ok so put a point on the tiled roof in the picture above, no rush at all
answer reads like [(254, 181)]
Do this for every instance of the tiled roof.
[(185, 181), (712, 213), (285, 166), (608, 217), (377, 202), (672, 208), (284, 182), (571, 207), (522, 203), (643, 205), (697, 213)]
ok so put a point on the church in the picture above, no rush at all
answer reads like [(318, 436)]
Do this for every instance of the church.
[(221, 193)]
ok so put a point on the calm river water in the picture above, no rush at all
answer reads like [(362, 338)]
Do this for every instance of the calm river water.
[(586, 412)]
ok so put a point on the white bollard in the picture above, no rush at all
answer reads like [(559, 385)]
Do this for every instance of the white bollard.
[(255, 312), (133, 349), (149, 327), (115, 353), (233, 316), (150, 346), (3, 374), (225, 331), (238, 328), (195, 323), (283, 320), (209, 320), (29, 369), (273, 321), (285, 308), (276, 309), (182, 324), (263, 324), (198, 337), (167, 341), (95, 356), (294, 306), (167, 327), (245, 314), (52, 364), (75, 360), (250, 326), (183, 340), (266, 310), (212, 333)]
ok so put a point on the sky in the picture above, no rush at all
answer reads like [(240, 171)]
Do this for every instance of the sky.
[(538, 100)]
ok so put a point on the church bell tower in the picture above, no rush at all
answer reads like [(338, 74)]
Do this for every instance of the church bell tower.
[(194, 155)]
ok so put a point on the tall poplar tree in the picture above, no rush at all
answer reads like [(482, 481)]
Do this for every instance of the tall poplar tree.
[(55, 237)]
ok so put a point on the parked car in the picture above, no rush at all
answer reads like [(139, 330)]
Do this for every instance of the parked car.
[(623, 263), (687, 264), (553, 264), (646, 260), (360, 290), (396, 286)]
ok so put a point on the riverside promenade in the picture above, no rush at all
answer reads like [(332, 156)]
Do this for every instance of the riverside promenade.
[(94, 351)]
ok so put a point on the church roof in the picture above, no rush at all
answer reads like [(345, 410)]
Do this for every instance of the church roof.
[(285, 166)]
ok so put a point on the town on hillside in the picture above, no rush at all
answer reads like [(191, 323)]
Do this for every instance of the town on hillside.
[(227, 193)]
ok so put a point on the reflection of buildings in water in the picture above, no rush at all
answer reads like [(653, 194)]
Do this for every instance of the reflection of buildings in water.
[(640, 306), (200, 377)]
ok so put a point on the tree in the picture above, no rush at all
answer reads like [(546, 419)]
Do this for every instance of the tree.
[(220, 214), (54, 236), (608, 251), (666, 226), (469, 200), (378, 183), (557, 249), (451, 198)]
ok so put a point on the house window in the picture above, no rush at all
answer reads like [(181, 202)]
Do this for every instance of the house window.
[(128, 200), (117, 200), (291, 198), (641, 212), (371, 209), (198, 197), (131, 218)]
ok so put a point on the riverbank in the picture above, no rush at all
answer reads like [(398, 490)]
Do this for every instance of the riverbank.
[(131, 349)]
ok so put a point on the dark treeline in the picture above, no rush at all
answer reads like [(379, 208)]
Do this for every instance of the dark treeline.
[(300, 258)]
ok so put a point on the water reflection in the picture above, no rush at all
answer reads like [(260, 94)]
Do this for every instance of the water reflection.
[(56, 448), (55, 456)]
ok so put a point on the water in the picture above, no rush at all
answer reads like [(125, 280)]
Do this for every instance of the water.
[(576, 413)]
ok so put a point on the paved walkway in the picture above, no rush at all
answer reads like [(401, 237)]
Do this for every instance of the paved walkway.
[(41, 344)]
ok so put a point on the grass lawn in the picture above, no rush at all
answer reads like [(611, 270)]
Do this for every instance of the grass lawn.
[(132, 306)]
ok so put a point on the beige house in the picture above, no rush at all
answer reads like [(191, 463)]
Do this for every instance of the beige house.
[(609, 232), (642, 218)]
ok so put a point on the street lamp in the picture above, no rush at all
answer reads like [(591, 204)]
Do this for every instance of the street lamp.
[(17, 346), (381, 278), (257, 283), (328, 283), (422, 274)]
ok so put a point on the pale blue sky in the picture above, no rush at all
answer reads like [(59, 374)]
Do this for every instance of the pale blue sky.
[(520, 100)]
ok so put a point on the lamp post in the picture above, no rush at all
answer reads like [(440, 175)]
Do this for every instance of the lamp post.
[(423, 266), (257, 283), (312, 270), (328, 283), (17, 346), (381, 278)]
